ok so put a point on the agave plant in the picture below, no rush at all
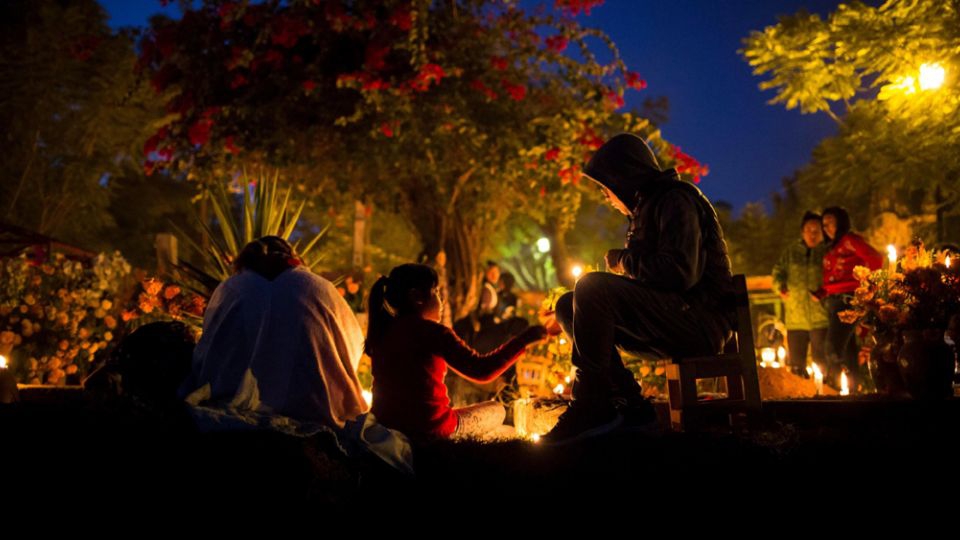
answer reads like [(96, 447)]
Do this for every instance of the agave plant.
[(267, 209)]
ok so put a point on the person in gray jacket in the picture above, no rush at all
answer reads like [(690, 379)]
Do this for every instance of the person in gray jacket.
[(669, 289)]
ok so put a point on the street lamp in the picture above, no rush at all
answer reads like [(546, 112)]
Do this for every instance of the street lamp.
[(932, 76)]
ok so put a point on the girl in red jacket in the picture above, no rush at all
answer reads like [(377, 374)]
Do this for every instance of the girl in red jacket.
[(410, 352), (847, 250)]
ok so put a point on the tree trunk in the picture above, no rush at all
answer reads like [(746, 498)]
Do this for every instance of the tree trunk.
[(462, 244), (560, 255)]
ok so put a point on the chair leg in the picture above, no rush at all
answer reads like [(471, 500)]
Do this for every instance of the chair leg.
[(682, 393)]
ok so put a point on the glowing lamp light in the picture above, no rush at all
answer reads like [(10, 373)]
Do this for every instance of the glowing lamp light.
[(781, 353), (767, 356), (932, 76), (563, 341), (567, 379), (368, 397), (543, 245), (535, 438), (577, 271)]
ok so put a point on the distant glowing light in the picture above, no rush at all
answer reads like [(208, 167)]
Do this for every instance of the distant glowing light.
[(543, 245)]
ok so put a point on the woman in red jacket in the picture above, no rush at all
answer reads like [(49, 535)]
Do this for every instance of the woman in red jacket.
[(410, 351), (846, 251)]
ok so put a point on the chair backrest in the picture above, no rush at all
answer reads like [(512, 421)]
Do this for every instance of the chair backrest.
[(743, 337)]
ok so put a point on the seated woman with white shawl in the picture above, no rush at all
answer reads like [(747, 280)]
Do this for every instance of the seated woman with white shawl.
[(278, 341)]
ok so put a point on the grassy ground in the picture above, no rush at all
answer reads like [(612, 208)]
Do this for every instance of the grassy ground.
[(83, 450)]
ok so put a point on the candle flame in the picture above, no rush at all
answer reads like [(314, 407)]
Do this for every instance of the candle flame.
[(3, 362), (892, 253), (844, 384), (558, 389)]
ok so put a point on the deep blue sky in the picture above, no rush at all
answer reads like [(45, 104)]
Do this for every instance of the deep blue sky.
[(687, 51)]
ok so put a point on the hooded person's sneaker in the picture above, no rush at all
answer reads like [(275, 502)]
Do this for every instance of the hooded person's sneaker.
[(582, 421)]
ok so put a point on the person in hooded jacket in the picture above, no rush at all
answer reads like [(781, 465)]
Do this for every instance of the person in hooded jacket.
[(668, 291)]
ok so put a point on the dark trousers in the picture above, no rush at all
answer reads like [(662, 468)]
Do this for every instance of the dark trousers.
[(798, 341), (842, 346), (606, 311)]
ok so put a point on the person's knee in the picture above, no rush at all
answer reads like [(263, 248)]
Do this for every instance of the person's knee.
[(592, 282), (564, 310)]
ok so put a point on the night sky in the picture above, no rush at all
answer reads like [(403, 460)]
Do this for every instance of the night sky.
[(687, 51)]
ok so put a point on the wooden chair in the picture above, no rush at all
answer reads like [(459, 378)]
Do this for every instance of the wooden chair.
[(737, 365)]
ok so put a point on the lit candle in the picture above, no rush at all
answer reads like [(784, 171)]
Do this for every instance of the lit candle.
[(946, 261), (558, 389), (818, 378), (844, 384), (892, 257), (3, 362)]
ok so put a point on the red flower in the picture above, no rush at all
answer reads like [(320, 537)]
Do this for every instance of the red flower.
[(590, 139), (557, 43), (386, 129), (570, 174), (484, 89), (238, 81), (371, 84), (575, 7), (230, 147), (498, 63), (614, 100), (552, 154), (401, 18), (308, 86), (517, 91), (634, 81), (429, 73), (687, 164), (199, 132)]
